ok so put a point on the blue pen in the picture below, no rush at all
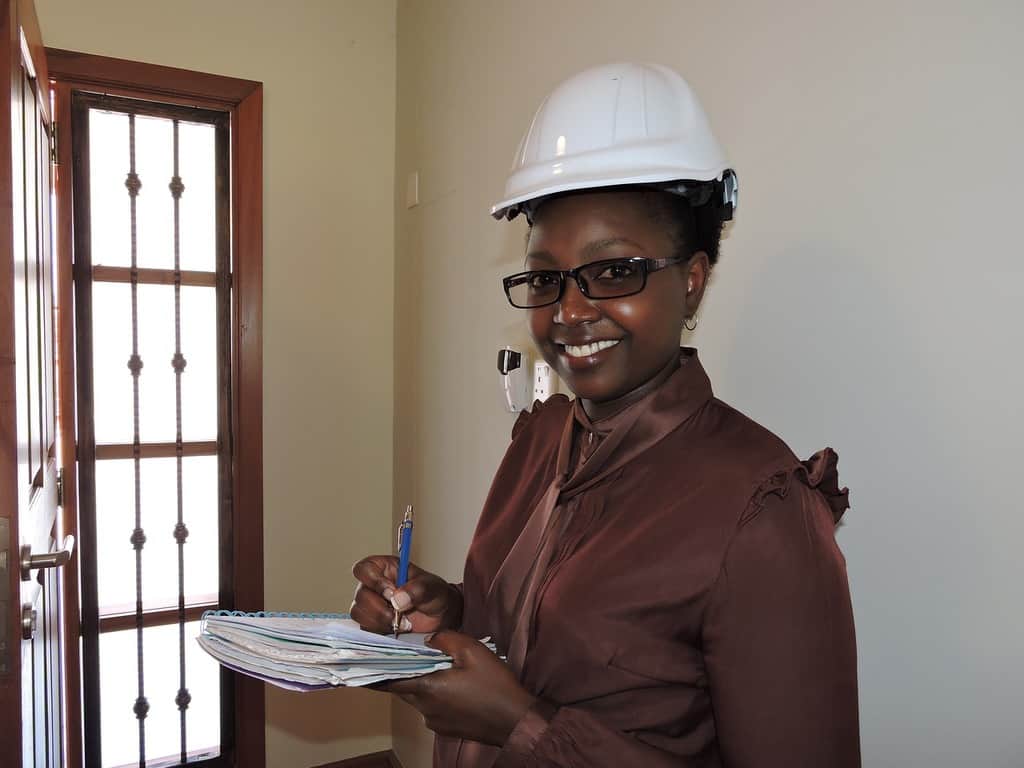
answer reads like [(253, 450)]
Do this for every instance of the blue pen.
[(404, 545)]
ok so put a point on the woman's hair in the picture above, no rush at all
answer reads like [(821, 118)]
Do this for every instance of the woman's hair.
[(691, 228)]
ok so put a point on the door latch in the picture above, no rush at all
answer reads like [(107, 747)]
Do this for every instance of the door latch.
[(28, 621)]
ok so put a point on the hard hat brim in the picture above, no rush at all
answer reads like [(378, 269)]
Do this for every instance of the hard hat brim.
[(512, 207)]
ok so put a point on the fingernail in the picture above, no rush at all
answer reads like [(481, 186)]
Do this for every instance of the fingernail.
[(405, 625), (388, 593), (400, 601)]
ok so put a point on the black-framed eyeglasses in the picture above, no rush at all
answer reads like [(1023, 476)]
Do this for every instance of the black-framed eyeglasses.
[(606, 279)]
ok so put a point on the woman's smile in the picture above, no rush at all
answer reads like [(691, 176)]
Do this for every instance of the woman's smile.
[(588, 350)]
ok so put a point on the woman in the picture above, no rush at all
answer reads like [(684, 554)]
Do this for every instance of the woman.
[(660, 572)]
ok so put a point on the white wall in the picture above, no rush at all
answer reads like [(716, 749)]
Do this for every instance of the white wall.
[(328, 68), (869, 297)]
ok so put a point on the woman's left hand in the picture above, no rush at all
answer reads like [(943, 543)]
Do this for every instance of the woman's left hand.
[(478, 698)]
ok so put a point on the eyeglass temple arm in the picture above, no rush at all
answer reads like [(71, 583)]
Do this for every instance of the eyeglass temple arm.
[(653, 264)]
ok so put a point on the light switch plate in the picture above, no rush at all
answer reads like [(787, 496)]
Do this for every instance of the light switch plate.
[(543, 381)]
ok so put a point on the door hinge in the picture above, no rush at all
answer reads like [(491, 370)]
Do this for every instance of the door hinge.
[(54, 144), (60, 487)]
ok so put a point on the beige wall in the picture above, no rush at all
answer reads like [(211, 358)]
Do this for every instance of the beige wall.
[(869, 297), (328, 69)]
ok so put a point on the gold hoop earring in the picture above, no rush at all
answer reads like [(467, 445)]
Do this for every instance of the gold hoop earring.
[(687, 326)]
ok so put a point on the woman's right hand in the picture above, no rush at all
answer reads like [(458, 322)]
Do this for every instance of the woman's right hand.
[(428, 603)]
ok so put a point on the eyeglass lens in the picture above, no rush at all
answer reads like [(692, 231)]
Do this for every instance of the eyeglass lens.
[(600, 280)]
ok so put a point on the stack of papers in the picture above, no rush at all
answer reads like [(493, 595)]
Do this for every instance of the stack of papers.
[(304, 654)]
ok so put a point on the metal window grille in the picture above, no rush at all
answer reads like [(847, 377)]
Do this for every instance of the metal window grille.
[(129, 258)]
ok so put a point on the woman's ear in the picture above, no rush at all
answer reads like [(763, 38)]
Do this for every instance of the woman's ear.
[(697, 274)]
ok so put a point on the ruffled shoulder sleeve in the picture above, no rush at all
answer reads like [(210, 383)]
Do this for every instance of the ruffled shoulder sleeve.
[(819, 473), (782, 598), (552, 410)]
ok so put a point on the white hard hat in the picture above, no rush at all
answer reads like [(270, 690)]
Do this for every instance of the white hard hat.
[(623, 123)]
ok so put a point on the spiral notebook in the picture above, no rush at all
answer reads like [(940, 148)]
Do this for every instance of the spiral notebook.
[(310, 651)]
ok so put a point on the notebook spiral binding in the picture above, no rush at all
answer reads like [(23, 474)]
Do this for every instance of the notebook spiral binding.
[(274, 614)]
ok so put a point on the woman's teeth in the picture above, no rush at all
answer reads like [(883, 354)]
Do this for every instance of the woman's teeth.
[(586, 350)]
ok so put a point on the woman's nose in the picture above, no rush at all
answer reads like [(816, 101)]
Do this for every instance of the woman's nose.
[(574, 308)]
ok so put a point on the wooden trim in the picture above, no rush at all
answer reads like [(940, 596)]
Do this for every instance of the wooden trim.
[(67, 429), (76, 128), (135, 78), (385, 759), (150, 276), (155, 450), (247, 403), (119, 621)]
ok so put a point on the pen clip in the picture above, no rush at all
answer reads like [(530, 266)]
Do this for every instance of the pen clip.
[(406, 523)]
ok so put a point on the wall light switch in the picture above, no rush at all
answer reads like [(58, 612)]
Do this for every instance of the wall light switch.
[(412, 190)]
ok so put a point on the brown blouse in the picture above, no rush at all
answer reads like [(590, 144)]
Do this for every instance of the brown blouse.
[(668, 584)]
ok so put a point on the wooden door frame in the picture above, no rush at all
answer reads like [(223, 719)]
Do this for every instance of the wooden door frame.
[(244, 100)]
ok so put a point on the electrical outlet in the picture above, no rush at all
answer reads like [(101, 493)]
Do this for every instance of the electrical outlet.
[(543, 381)]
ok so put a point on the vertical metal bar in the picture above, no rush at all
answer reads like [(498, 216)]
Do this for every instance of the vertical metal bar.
[(180, 531), (138, 537)]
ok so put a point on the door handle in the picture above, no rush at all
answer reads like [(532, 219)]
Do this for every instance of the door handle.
[(30, 562)]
